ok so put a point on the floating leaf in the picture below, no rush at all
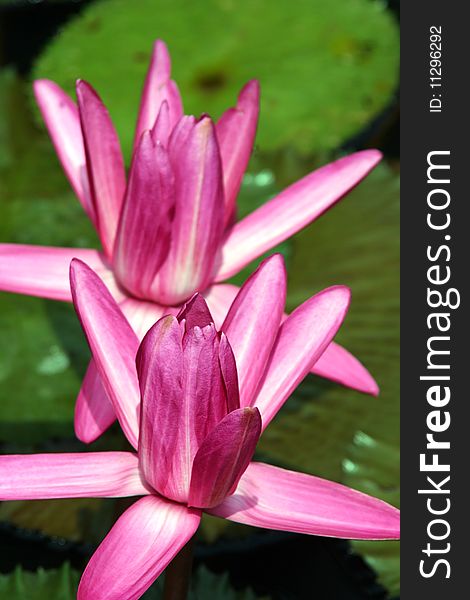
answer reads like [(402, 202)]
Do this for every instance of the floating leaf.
[(60, 584), (325, 67), (76, 519), (374, 467), (204, 584), (40, 344)]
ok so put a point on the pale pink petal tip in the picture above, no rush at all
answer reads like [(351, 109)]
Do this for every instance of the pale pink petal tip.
[(158, 88), (249, 93), (161, 56), (339, 365)]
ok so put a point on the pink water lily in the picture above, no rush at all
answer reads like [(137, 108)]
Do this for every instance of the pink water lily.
[(193, 401), (170, 230)]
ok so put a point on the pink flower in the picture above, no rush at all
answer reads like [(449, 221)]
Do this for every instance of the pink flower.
[(169, 231), (195, 422)]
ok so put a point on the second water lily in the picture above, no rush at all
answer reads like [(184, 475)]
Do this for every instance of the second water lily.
[(193, 402)]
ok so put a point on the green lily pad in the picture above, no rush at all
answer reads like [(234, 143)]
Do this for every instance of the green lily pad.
[(204, 584), (325, 68), (60, 584), (77, 519), (374, 467)]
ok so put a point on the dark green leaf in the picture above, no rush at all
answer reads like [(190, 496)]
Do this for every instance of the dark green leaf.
[(58, 584)]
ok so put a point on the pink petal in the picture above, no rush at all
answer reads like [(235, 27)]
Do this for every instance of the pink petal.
[(94, 412), (302, 339), (158, 88), (292, 210), (339, 365), (112, 342), (198, 219), (336, 363), (275, 498), (183, 398), (223, 457), (163, 127), (219, 297), (252, 323), (73, 475), (143, 236), (195, 313), (236, 130), (63, 123), (105, 164), (44, 271), (228, 368), (140, 545)]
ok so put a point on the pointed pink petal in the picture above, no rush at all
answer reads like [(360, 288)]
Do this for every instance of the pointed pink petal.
[(158, 88), (275, 498), (302, 339), (195, 313), (105, 164), (236, 130), (292, 210), (228, 368), (339, 365), (72, 475), (63, 123), (198, 220), (163, 127), (219, 298), (336, 363), (140, 545), (44, 271), (143, 236), (183, 398), (94, 412), (112, 342), (223, 457), (252, 323)]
